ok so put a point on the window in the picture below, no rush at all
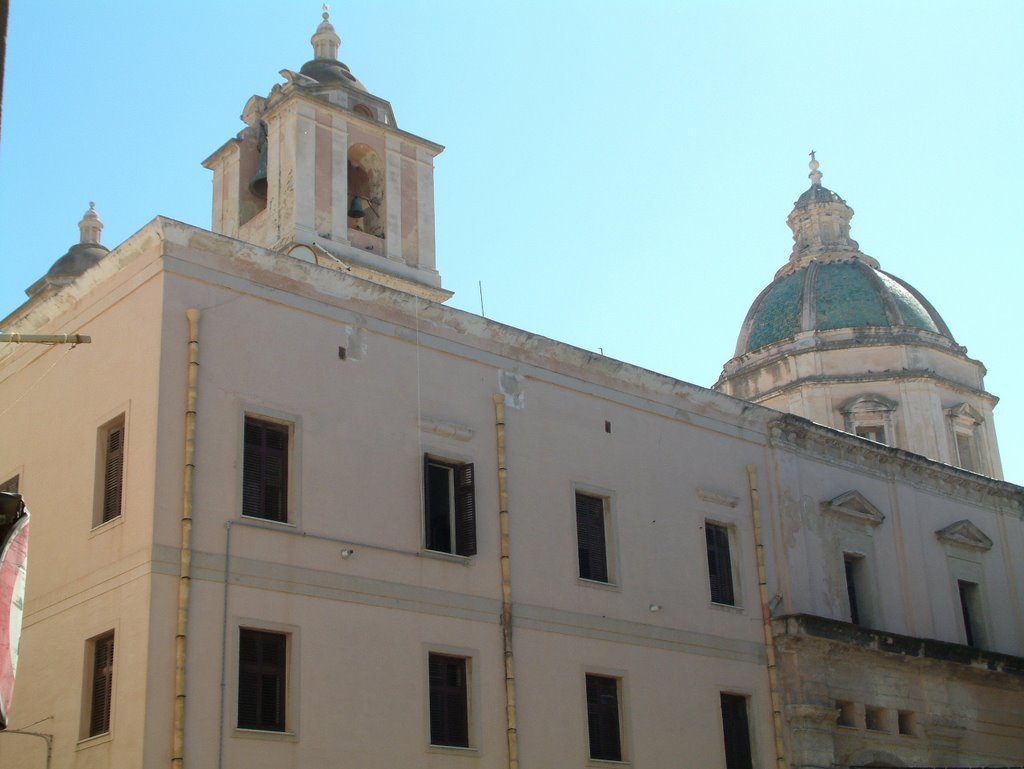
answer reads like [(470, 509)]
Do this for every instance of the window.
[(101, 684), (970, 606), (265, 470), (603, 718), (906, 722), (449, 700), (719, 564), (449, 507), (870, 416), (262, 680), (965, 423), (591, 537), (736, 732), (847, 713), (875, 719), (855, 576), (110, 471)]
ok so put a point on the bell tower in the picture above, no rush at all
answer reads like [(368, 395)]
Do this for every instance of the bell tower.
[(323, 173)]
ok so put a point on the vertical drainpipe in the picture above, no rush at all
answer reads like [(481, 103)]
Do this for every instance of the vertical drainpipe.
[(506, 588), (766, 618), (178, 736)]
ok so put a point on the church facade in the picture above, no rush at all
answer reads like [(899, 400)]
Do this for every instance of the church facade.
[(326, 520)]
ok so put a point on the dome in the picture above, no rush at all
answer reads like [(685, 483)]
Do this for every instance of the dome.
[(324, 67), (326, 71), (79, 258), (822, 296)]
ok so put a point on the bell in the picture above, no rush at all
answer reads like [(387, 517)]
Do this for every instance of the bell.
[(258, 183), (356, 210)]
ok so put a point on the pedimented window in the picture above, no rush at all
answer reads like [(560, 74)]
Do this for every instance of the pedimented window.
[(854, 505), (870, 417), (966, 534)]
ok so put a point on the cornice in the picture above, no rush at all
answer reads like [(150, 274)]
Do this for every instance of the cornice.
[(799, 434)]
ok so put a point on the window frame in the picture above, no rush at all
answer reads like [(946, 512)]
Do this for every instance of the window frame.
[(608, 535), (109, 494), (728, 533), (871, 413), (288, 428), (91, 727), (288, 690), (457, 726), (461, 506)]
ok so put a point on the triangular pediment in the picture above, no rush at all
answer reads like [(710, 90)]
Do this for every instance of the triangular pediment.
[(854, 505), (965, 533)]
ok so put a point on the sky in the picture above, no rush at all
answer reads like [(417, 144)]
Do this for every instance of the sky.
[(617, 175)]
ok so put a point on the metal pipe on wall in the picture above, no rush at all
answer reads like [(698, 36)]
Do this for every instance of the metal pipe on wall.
[(185, 573), (506, 588), (766, 617)]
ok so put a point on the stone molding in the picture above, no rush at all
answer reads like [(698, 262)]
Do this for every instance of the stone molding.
[(718, 498), (446, 428), (966, 534), (854, 505), (799, 434)]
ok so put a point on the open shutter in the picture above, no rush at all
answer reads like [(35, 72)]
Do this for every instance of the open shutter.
[(465, 510), (590, 537), (113, 474)]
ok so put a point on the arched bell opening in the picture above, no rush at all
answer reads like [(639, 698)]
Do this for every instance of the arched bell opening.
[(365, 190)]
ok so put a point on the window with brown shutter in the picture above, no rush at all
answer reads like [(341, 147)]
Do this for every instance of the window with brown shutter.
[(603, 727), (736, 732), (449, 700), (265, 470), (110, 463), (102, 684), (591, 540), (719, 564), (449, 506), (262, 680)]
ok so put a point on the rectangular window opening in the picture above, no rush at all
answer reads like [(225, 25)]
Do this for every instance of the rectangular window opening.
[(854, 567), (719, 564), (847, 714), (449, 502), (591, 537), (736, 732), (262, 680), (101, 684), (265, 470), (965, 452), (449, 700), (603, 718), (970, 606), (874, 433), (906, 722), (874, 719), (110, 471)]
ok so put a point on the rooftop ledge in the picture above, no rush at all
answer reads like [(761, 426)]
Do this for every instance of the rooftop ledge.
[(893, 643)]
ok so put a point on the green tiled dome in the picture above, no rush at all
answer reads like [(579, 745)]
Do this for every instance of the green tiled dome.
[(833, 295)]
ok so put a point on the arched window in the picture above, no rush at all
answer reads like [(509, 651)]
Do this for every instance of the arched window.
[(365, 190)]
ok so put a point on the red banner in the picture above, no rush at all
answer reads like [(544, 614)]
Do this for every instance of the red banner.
[(13, 563)]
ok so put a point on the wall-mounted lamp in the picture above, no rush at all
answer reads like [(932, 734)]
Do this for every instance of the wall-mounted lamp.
[(655, 607), (347, 552)]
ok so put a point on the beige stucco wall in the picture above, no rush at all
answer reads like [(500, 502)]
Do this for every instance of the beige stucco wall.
[(418, 377)]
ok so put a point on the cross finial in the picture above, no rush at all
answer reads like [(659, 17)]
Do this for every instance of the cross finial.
[(815, 174)]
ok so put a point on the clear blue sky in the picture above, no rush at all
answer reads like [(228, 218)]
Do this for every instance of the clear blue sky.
[(617, 174)]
